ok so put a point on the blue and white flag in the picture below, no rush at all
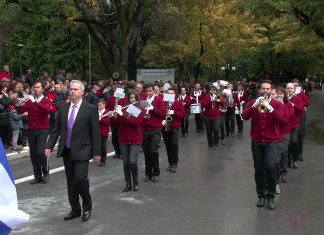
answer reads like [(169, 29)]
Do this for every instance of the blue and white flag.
[(10, 216)]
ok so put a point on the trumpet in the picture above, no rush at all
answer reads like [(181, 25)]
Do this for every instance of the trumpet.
[(168, 118), (262, 108)]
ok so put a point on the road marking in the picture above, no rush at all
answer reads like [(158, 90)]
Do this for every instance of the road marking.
[(55, 170)]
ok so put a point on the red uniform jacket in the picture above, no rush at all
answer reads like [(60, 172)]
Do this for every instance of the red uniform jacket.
[(104, 124), (302, 95), (211, 109), (223, 105), (37, 113), (265, 127), (157, 115), (51, 97), (288, 109), (298, 109), (179, 113), (131, 128), (240, 96), (200, 97), (185, 102), (143, 95)]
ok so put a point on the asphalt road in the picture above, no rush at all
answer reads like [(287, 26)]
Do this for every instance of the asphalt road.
[(213, 192)]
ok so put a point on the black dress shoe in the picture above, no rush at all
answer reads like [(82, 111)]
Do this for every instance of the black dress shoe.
[(223, 142), (300, 158), (86, 216), (271, 204), (116, 156), (127, 188), (295, 165), (284, 178), (169, 168), (147, 178), (261, 202), (102, 163), (36, 181), (174, 168), (45, 179), (155, 178), (72, 215)]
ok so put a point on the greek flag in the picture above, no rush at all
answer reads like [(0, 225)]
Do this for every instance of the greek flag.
[(10, 216)]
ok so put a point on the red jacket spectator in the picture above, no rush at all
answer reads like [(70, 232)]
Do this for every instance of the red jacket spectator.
[(5, 74), (211, 108), (37, 113), (51, 97), (265, 127)]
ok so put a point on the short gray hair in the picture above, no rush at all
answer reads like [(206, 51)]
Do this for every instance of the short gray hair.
[(78, 82)]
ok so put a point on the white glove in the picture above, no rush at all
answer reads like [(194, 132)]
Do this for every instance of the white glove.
[(164, 122), (268, 106), (31, 98), (258, 102), (150, 108), (242, 102), (170, 112), (110, 114), (292, 103)]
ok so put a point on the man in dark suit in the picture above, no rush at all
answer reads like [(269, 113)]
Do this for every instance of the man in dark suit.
[(77, 126), (92, 97)]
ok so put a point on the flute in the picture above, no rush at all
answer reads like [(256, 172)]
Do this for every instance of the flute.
[(110, 113)]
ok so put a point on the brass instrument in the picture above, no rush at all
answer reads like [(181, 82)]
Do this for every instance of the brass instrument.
[(262, 108), (168, 118)]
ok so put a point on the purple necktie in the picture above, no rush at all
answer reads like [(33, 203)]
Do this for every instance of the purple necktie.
[(69, 127)]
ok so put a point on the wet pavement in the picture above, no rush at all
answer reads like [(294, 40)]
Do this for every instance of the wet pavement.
[(213, 192)]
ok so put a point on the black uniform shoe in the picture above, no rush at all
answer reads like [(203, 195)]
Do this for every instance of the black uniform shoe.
[(147, 178), (135, 187), (174, 168), (86, 216), (45, 179), (300, 158), (295, 165), (127, 188), (261, 202), (169, 168), (102, 163), (271, 204), (155, 178), (223, 142), (284, 178), (72, 215), (36, 181), (116, 156)]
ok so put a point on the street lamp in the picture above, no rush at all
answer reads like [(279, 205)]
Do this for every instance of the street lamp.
[(21, 47), (226, 69)]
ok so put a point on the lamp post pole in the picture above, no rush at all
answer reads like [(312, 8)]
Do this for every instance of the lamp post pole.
[(21, 47), (226, 69), (89, 37)]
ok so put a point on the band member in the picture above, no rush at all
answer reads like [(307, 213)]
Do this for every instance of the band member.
[(240, 99), (184, 99), (111, 104), (176, 112), (297, 104), (152, 125), (130, 140), (266, 115), (301, 131), (139, 90), (104, 129), (158, 91), (223, 109), (77, 126), (230, 114), (211, 117), (38, 108), (196, 97), (281, 96)]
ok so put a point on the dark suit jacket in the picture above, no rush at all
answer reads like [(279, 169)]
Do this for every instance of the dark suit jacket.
[(92, 98), (85, 140)]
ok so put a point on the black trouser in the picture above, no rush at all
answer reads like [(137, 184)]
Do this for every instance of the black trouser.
[(293, 150), (284, 154), (37, 141), (115, 138), (239, 123), (199, 121), (77, 182), (301, 132), (222, 126), (150, 146), (5, 135), (185, 124), (130, 153), (212, 129), (265, 157), (230, 122), (103, 148), (171, 141)]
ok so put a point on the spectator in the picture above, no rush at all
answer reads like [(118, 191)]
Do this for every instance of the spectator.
[(4, 115), (92, 97), (30, 79), (4, 75)]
